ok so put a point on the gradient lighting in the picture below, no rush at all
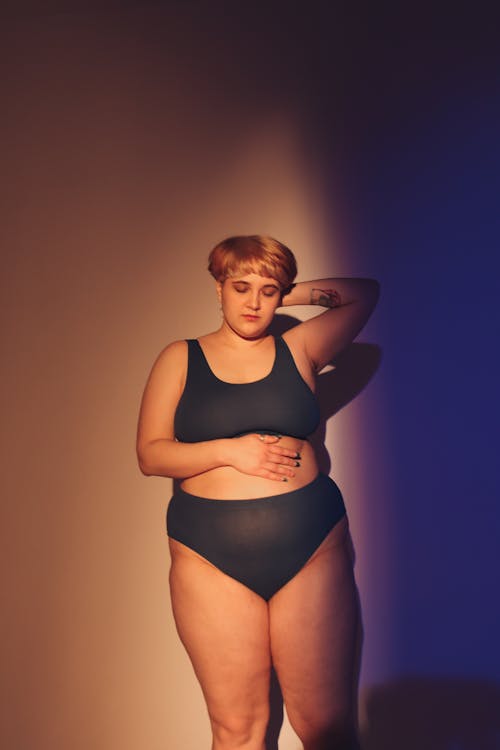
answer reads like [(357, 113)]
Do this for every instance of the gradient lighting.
[(135, 138)]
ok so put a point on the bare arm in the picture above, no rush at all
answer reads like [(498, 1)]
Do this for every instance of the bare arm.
[(160, 454), (170, 458), (349, 304)]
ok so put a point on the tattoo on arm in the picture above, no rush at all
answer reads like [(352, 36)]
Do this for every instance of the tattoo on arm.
[(325, 297)]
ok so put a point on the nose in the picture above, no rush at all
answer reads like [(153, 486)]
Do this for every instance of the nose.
[(254, 301)]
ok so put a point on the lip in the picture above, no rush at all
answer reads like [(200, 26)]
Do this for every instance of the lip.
[(251, 317)]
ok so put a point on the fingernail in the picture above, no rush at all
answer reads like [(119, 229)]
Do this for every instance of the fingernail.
[(297, 455), (297, 463)]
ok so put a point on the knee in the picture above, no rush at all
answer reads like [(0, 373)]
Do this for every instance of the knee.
[(336, 731), (332, 737), (244, 732)]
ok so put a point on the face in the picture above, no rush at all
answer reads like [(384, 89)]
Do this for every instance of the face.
[(249, 303)]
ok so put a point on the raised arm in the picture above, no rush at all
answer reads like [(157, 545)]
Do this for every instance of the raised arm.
[(349, 304), (160, 454)]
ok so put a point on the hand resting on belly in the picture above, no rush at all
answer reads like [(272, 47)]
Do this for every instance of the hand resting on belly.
[(257, 467)]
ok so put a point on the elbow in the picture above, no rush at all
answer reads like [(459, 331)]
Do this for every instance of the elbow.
[(153, 460), (151, 467), (144, 467)]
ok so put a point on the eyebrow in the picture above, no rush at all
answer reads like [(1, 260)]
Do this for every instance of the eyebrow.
[(266, 286)]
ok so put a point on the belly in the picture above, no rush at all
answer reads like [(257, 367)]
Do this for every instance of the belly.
[(226, 483)]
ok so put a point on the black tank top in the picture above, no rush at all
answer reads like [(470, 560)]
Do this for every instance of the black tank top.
[(280, 403)]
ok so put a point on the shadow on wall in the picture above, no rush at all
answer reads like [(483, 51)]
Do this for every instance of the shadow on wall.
[(433, 713)]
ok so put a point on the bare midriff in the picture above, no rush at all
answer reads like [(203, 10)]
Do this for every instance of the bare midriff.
[(227, 483)]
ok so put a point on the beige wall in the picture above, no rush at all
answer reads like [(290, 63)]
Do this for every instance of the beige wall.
[(124, 164)]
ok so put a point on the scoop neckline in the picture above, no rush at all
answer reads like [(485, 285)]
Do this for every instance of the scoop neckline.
[(249, 382)]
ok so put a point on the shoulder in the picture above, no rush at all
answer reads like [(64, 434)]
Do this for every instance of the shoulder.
[(174, 351), (172, 358), (168, 374)]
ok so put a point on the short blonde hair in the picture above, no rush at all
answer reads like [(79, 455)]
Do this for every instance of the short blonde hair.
[(253, 253)]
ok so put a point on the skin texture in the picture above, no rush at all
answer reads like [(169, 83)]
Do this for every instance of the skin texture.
[(309, 628)]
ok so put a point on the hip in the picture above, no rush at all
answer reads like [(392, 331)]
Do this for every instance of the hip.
[(319, 502)]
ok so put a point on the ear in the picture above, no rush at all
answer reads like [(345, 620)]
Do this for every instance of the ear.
[(218, 289)]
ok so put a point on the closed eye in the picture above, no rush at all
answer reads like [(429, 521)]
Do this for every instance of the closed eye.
[(267, 291)]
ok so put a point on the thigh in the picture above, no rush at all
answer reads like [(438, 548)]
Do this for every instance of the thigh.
[(315, 631), (224, 627)]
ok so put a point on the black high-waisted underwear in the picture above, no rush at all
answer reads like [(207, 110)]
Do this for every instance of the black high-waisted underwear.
[(264, 542)]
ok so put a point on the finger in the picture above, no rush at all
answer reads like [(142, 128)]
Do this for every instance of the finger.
[(274, 476), (277, 458), (279, 451), (270, 438), (280, 469)]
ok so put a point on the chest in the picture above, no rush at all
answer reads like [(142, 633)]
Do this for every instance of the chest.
[(239, 367), (279, 401)]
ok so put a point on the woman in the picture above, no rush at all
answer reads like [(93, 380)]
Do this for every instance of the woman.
[(261, 568)]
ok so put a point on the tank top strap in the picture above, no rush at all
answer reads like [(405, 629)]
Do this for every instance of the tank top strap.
[(197, 362), (283, 353), (285, 358)]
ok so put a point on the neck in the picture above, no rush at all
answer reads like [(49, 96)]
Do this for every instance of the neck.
[(231, 338)]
